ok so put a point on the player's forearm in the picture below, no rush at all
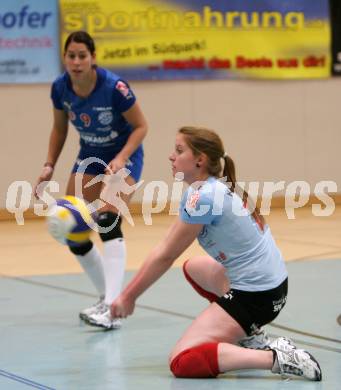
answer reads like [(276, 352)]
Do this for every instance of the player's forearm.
[(134, 141), (153, 268), (56, 143)]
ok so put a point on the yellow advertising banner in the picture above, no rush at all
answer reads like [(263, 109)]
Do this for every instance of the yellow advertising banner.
[(150, 39)]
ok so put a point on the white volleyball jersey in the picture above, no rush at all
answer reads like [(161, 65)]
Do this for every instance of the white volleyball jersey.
[(232, 237)]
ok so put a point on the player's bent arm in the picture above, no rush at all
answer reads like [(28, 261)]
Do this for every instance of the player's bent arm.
[(58, 136), (135, 117), (179, 237)]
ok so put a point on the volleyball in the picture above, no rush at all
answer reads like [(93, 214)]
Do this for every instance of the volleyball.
[(69, 221)]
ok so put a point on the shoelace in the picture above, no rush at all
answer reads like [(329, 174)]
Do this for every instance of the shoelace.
[(103, 309)]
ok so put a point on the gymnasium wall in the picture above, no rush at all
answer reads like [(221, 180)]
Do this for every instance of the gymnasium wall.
[(274, 130)]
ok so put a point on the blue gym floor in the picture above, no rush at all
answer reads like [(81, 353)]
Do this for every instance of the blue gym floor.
[(44, 345)]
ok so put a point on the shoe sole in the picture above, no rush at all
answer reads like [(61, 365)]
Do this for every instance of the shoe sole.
[(95, 324), (83, 317)]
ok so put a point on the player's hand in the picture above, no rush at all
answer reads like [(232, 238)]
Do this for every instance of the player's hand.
[(122, 307), (46, 175), (116, 164)]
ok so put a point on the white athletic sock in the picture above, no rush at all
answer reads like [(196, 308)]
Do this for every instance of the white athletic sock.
[(91, 263), (114, 259)]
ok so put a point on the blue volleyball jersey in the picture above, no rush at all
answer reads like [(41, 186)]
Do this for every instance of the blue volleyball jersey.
[(232, 237), (98, 118)]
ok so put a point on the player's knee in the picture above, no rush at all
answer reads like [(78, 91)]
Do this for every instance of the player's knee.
[(110, 225), (196, 362), (81, 249)]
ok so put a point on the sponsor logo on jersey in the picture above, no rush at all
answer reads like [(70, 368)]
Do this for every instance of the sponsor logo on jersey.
[(102, 108), (71, 115), (105, 117), (193, 200), (221, 256), (98, 140), (124, 89), (104, 129), (67, 105), (85, 118)]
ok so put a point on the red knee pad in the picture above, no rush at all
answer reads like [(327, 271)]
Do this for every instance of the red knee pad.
[(197, 362), (206, 294)]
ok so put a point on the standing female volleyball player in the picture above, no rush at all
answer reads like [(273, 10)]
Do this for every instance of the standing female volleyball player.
[(244, 277), (111, 125)]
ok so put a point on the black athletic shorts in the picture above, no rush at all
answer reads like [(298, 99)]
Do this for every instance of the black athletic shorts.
[(253, 309)]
